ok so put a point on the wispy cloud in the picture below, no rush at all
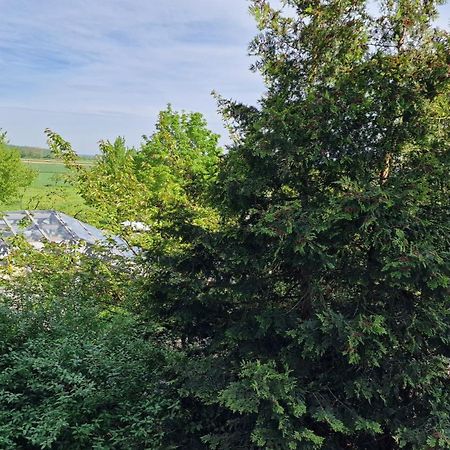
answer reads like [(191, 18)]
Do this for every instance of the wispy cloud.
[(97, 69)]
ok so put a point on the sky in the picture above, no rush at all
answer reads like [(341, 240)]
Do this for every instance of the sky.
[(98, 69)]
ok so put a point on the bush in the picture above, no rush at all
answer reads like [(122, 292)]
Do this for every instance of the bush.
[(77, 368)]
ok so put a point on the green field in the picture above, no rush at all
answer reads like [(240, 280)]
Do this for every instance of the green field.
[(51, 189), (48, 172)]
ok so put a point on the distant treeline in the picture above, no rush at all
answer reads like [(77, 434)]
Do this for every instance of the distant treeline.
[(40, 153)]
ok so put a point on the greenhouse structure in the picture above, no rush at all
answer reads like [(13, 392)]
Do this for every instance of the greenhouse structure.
[(40, 227)]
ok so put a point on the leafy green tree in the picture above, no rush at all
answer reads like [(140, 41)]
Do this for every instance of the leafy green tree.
[(78, 369), (318, 317), (14, 175), (169, 175)]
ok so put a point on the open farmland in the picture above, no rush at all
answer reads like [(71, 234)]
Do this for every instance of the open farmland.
[(49, 172), (51, 189)]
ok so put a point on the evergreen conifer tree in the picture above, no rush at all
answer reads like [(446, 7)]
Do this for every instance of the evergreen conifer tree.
[(319, 316)]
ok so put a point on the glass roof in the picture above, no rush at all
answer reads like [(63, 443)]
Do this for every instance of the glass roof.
[(39, 227)]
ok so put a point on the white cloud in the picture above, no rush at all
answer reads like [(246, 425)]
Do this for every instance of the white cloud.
[(97, 69)]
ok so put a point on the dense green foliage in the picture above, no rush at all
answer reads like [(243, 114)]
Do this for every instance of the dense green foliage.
[(319, 316), (295, 291), (14, 175), (171, 172), (85, 383), (77, 367)]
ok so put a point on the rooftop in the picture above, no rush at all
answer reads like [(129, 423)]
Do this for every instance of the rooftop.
[(39, 227)]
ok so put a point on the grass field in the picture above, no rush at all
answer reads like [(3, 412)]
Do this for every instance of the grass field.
[(51, 189), (48, 172)]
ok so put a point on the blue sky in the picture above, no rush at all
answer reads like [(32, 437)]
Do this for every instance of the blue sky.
[(95, 69)]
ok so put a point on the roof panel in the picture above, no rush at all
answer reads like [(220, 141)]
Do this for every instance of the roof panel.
[(17, 220), (82, 230), (34, 234), (52, 226)]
